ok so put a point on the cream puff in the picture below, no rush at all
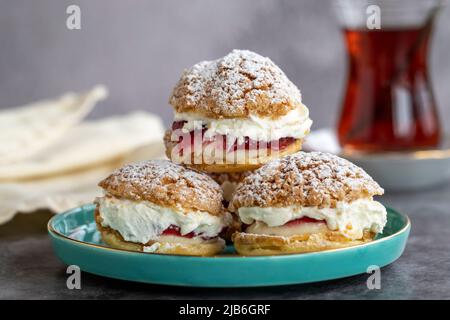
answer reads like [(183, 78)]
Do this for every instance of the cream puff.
[(306, 202), (161, 207), (235, 114)]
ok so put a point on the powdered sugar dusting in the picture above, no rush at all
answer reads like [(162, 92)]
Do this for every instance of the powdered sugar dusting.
[(239, 84), (167, 184), (307, 179)]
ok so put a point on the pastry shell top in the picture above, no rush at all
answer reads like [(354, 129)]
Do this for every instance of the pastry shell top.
[(235, 86), (305, 179), (166, 184)]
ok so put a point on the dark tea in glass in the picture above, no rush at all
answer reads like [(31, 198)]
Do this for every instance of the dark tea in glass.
[(389, 103)]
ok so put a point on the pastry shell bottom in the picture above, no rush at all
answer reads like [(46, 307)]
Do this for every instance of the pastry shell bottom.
[(247, 165), (249, 244)]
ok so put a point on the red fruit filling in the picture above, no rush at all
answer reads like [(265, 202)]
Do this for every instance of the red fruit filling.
[(292, 223), (303, 220), (173, 230), (178, 125), (248, 144)]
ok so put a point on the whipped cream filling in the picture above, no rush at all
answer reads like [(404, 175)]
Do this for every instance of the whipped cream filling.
[(350, 218), (296, 124), (142, 221)]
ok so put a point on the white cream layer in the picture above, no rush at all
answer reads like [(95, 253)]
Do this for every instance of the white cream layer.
[(295, 124), (142, 221), (351, 219)]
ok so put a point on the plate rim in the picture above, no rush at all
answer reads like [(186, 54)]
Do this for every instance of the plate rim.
[(51, 230), (437, 153)]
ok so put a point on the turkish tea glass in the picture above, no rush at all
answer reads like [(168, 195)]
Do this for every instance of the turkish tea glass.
[(389, 103)]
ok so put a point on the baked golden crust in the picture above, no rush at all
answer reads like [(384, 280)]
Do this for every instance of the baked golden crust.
[(305, 179), (250, 165), (223, 168), (244, 164), (235, 86), (113, 238), (167, 184), (210, 248), (249, 244)]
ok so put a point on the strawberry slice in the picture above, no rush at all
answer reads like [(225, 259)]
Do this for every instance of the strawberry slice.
[(175, 231), (248, 144), (303, 220)]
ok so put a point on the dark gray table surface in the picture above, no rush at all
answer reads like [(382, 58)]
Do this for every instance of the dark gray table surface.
[(29, 269)]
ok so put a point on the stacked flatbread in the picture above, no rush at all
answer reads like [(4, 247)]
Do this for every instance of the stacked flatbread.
[(51, 158)]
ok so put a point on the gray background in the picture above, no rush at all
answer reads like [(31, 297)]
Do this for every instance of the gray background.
[(139, 48)]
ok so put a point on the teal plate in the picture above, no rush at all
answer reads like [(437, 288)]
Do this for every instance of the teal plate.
[(77, 242)]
